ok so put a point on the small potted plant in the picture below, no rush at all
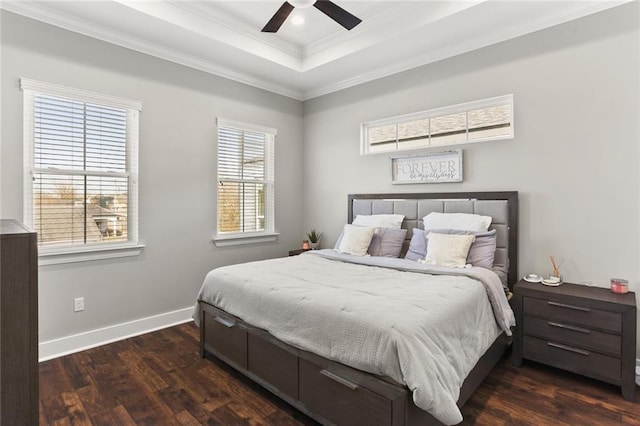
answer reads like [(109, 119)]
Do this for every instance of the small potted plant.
[(314, 239)]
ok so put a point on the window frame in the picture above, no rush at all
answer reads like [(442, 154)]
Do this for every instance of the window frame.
[(365, 144), (68, 253), (223, 239)]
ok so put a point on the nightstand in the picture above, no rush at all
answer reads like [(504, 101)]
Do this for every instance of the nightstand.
[(297, 252), (586, 330)]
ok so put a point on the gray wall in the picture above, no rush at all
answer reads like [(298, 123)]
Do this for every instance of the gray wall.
[(574, 159), (177, 173)]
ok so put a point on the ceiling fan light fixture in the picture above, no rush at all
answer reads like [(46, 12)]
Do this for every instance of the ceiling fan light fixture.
[(297, 20), (329, 8), (302, 4)]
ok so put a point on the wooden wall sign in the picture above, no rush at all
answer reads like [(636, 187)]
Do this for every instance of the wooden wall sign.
[(432, 167)]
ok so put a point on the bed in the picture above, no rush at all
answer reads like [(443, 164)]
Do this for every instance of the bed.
[(367, 340)]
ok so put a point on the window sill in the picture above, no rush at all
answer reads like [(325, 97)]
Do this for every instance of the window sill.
[(54, 256), (242, 239)]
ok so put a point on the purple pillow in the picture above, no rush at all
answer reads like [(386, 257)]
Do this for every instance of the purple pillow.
[(483, 249), (387, 242), (417, 246), (481, 253)]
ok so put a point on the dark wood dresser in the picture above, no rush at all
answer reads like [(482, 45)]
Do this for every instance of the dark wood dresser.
[(18, 324), (587, 330)]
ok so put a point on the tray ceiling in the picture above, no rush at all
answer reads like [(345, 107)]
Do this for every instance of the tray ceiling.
[(319, 57)]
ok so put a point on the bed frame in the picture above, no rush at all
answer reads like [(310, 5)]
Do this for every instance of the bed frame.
[(333, 393)]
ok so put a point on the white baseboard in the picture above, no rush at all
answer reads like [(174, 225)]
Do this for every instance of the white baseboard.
[(101, 336)]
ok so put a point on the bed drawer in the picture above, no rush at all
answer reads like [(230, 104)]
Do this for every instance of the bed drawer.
[(339, 400), (274, 365), (573, 313), (227, 339), (556, 331), (573, 359)]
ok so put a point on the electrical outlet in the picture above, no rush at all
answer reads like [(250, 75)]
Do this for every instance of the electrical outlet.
[(78, 304)]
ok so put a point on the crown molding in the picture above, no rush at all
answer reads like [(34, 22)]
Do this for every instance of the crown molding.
[(486, 39), (40, 13), (235, 25), (322, 50), (382, 28), (203, 25), (368, 25)]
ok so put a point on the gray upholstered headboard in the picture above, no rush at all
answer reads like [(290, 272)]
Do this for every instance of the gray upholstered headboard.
[(501, 206)]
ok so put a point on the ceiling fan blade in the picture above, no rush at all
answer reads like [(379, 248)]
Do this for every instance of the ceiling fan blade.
[(278, 18), (337, 13)]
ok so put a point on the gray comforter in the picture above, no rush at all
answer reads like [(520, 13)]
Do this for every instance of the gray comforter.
[(422, 326)]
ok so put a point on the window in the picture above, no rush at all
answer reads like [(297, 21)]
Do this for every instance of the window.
[(478, 121), (246, 161), (81, 168)]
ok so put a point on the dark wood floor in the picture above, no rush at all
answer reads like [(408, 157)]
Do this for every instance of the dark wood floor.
[(159, 379)]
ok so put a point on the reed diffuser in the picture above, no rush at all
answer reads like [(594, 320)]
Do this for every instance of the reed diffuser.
[(556, 269)]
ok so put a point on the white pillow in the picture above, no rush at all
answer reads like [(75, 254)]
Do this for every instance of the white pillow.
[(459, 221), (448, 249), (355, 240), (379, 220)]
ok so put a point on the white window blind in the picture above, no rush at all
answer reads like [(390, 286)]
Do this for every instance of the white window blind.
[(81, 166), (246, 163), (477, 121)]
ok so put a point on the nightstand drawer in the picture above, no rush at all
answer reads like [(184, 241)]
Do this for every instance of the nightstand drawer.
[(586, 330), (581, 337), (573, 359), (573, 313)]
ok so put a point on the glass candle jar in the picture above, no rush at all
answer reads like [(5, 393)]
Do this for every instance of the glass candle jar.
[(618, 285)]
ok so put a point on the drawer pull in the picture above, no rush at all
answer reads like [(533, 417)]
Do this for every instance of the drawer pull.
[(227, 323), (569, 327), (339, 379), (568, 348), (574, 307)]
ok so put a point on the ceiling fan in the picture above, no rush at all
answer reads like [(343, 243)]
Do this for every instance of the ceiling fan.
[(327, 7)]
